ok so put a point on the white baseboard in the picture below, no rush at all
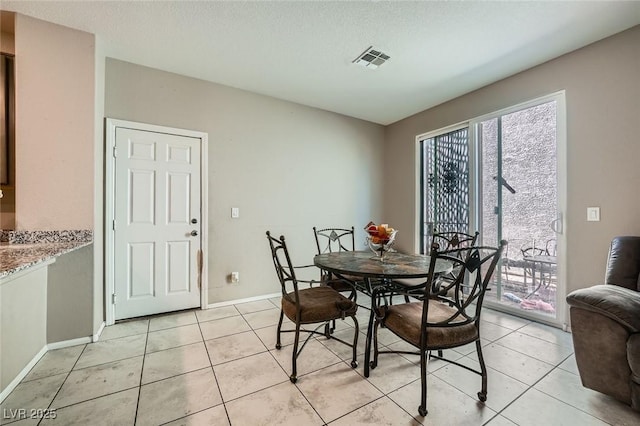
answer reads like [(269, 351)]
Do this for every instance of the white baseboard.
[(68, 343), (15, 382), (248, 299), (46, 348), (96, 336)]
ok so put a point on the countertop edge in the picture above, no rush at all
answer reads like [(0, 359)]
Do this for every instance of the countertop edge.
[(22, 271), (69, 247)]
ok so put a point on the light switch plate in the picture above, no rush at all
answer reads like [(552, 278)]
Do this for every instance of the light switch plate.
[(235, 212), (593, 214)]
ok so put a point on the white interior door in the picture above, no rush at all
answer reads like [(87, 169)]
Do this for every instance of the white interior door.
[(157, 222)]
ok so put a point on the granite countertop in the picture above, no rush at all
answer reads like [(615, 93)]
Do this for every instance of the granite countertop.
[(23, 253)]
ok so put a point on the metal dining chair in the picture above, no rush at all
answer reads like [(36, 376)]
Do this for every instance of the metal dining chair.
[(334, 240), (306, 306), (447, 241), (454, 240), (437, 321)]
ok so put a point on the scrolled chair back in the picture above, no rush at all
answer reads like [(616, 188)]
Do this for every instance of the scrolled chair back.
[(329, 240), (282, 263), (472, 269), (454, 240)]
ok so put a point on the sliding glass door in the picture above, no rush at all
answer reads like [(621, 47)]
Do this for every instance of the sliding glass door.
[(501, 175), (516, 181)]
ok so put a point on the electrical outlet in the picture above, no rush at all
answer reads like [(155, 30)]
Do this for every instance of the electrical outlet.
[(235, 277)]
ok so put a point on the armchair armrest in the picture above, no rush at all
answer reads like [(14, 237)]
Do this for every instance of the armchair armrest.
[(618, 303)]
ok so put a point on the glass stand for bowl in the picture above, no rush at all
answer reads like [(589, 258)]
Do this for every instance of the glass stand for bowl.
[(379, 250)]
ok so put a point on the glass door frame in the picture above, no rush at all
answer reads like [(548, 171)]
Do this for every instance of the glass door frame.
[(475, 197)]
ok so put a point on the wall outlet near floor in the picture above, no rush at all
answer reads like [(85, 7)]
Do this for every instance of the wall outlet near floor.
[(235, 277)]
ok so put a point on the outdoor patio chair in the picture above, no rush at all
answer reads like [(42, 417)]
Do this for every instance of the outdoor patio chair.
[(438, 322), (545, 271), (307, 306), (551, 247)]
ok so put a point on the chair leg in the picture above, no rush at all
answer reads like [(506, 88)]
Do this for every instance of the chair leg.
[(424, 362), (278, 344), (354, 362), (373, 364), (294, 356), (482, 395)]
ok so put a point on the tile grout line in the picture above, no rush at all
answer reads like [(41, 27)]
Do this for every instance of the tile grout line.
[(213, 371), (63, 382), (557, 367), (144, 357), (530, 387), (455, 386), (285, 372)]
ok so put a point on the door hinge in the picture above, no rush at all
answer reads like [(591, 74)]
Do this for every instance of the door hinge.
[(496, 210), (114, 225), (113, 298), (115, 152)]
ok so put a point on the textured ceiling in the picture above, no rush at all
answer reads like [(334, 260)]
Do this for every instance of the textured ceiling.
[(302, 51)]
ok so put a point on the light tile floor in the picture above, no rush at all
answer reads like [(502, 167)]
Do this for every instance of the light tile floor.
[(219, 367)]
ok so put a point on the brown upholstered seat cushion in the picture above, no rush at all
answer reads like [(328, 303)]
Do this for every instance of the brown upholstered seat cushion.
[(405, 319), (318, 304)]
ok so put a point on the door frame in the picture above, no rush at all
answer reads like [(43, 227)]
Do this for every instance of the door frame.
[(111, 125)]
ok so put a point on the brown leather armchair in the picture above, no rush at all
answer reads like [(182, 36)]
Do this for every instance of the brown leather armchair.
[(605, 324)]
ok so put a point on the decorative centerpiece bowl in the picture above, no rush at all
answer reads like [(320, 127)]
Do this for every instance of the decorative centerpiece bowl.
[(380, 238)]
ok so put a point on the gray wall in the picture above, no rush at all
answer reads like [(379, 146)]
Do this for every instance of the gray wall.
[(602, 83), (287, 167), (70, 295), (23, 321)]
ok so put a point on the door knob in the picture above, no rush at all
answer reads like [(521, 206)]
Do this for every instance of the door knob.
[(194, 233)]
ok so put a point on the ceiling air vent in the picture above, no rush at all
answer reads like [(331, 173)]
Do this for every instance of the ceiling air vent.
[(371, 58)]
